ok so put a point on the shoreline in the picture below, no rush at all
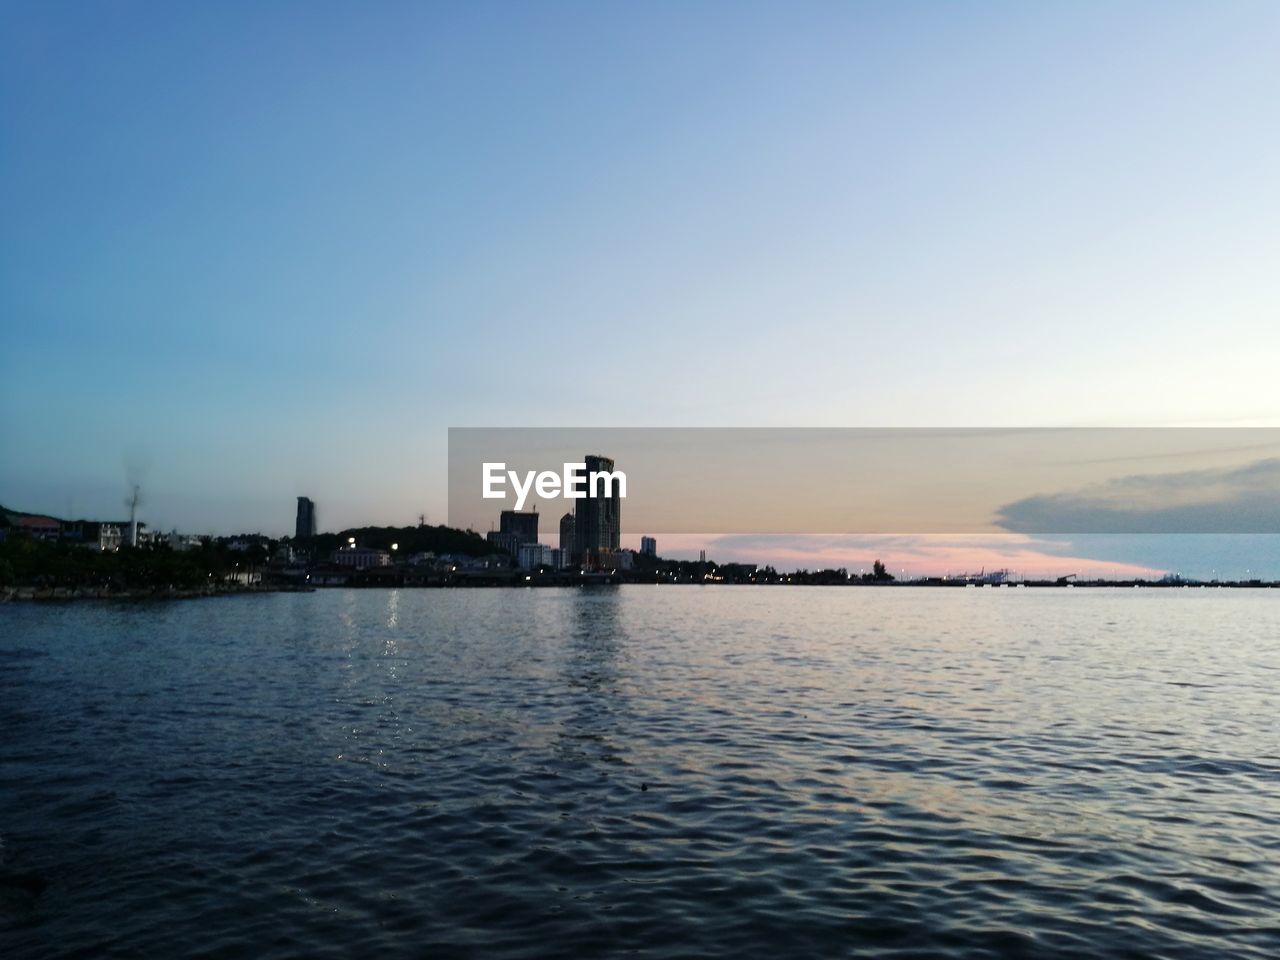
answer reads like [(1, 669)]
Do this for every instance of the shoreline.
[(59, 595), (30, 594)]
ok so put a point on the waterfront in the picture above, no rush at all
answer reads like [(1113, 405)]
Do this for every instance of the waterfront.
[(671, 771)]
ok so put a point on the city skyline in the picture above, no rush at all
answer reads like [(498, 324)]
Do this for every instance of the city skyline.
[(294, 271)]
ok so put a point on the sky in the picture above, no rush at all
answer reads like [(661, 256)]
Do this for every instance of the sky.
[(250, 251)]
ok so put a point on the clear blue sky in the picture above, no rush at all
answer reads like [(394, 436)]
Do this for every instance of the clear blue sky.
[(251, 250)]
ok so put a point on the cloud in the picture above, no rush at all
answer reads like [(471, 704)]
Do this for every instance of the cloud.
[(1239, 500)]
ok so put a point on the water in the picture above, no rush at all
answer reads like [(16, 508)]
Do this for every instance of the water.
[(668, 771)]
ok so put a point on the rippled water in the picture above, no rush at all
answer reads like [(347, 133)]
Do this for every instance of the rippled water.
[(674, 771)]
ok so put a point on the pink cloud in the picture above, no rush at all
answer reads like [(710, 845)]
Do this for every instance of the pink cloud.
[(917, 554)]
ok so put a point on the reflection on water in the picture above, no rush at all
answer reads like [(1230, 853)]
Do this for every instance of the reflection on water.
[(594, 702), (702, 772)]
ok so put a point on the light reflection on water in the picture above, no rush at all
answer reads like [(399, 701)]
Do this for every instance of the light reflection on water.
[(702, 771)]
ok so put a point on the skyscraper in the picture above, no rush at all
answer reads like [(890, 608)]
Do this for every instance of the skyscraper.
[(598, 516), (649, 546), (568, 547), (304, 526), (524, 526)]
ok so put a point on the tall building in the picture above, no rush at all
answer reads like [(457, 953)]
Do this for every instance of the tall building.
[(523, 526), (597, 522), (304, 526), (649, 546), (568, 548)]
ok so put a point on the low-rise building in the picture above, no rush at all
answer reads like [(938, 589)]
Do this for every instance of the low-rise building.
[(35, 527), (534, 555), (94, 534), (361, 558), (181, 542), (110, 537)]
